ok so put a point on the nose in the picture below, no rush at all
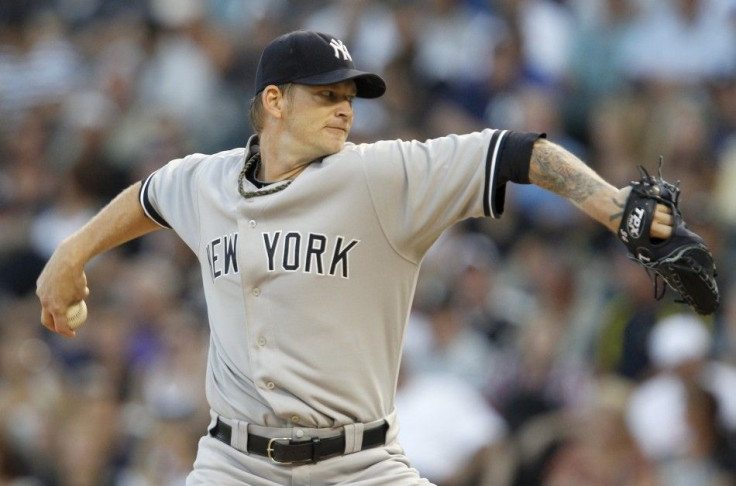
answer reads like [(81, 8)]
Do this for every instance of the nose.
[(345, 109)]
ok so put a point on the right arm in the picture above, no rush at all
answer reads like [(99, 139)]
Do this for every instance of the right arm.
[(62, 281)]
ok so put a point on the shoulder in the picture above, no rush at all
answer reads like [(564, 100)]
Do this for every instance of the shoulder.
[(439, 149), (200, 167), (227, 156), (359, 150), (371, 152), (453, 139), (219, 162)]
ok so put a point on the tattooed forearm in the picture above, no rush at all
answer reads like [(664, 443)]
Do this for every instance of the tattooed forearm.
[(557, 170)]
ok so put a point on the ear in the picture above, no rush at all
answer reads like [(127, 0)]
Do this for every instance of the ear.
[(273, 100)]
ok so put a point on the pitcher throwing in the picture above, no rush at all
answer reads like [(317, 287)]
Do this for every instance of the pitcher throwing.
[(309, 247)]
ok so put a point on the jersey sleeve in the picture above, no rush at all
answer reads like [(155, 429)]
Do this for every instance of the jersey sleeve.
[(169, 197), (507, 160), (421, 188)]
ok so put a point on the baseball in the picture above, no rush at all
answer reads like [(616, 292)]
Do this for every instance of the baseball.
[(76, 314)]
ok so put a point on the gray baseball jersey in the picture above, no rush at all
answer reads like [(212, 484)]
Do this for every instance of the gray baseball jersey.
[(308, 288)]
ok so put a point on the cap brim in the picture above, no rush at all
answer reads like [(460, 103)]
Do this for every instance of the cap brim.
[(368, 85)]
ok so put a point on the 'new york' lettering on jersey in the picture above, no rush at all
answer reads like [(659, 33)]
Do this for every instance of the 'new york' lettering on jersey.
[(310, 253)]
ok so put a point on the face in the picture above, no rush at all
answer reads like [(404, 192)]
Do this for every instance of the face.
[(318, 118)]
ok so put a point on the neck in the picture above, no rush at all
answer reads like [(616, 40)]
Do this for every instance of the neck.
[(279, 161)]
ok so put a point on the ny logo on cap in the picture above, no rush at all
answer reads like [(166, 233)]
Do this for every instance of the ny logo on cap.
[(339, 47)]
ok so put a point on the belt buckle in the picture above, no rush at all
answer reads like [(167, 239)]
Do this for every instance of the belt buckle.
[(270, 449)]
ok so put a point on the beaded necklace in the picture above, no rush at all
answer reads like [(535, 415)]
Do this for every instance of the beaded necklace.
[(272, 188)]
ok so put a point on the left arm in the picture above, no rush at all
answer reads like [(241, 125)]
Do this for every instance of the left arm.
[(553, 168)]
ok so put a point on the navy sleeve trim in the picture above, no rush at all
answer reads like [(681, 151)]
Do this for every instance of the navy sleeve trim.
[(507, 160), (148, 207)]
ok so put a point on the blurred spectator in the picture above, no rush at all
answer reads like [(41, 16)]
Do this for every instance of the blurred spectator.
[(31, 393), (597, 64), (616, 128), (442, 449), (725, 208), (186, 47), (84, 435), (449, 344), (599, 448), (546, 27), (455, 45), (723, 102), (38, 63), (627, 321), (28, 184), (464, 267), (681, 41), (170, 386), (163, 458), (682, 415), (72, 207), (535, 379)]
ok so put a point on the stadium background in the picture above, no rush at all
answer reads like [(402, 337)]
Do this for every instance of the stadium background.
[(534, 354)]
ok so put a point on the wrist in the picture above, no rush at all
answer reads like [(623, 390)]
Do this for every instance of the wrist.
[(616, 208), (73, 249)]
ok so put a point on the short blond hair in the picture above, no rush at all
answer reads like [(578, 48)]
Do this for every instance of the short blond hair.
[(256, 111)]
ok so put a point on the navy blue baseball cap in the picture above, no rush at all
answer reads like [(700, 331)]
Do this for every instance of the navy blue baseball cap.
[(313, 58)]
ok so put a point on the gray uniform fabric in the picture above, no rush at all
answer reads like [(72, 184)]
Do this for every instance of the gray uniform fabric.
[(308, 289)]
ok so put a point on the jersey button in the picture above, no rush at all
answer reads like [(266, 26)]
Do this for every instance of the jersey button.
[(270, 385), (296, 419), (261, 341), (256, 292), (252, 223)]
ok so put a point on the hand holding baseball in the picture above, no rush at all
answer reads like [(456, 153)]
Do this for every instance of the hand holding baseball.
[(76, 314), (61, 288)]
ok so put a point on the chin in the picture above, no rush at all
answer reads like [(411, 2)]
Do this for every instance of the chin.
[(334, 147)]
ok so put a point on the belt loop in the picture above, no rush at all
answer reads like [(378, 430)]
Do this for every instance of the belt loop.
[(213, 420), (239, 438), (353, 437), (315, 450)]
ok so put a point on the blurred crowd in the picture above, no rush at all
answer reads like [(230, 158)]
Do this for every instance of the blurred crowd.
[(536, 352)]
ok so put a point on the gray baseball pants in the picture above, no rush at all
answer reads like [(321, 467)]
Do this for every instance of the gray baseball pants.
[(224, 465)]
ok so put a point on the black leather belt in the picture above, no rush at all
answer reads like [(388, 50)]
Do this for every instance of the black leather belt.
[(297, 451)]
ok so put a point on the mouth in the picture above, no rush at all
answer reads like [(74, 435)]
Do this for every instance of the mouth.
[(341, 130)]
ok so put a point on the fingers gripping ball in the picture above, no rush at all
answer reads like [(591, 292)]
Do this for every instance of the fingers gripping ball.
[(683, 260), (76, 314)]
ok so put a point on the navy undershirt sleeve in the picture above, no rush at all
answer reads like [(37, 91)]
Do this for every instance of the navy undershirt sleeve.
[(511, 165)]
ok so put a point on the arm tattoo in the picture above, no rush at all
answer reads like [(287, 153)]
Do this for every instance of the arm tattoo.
[(619, 214), (558, 171)]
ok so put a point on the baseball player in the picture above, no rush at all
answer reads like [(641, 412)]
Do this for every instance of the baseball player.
[(309, 248)]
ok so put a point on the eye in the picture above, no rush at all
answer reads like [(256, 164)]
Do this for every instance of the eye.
[(335, 96)]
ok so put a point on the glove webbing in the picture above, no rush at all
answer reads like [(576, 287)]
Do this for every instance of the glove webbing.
[(657, 182), (675, 260)]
